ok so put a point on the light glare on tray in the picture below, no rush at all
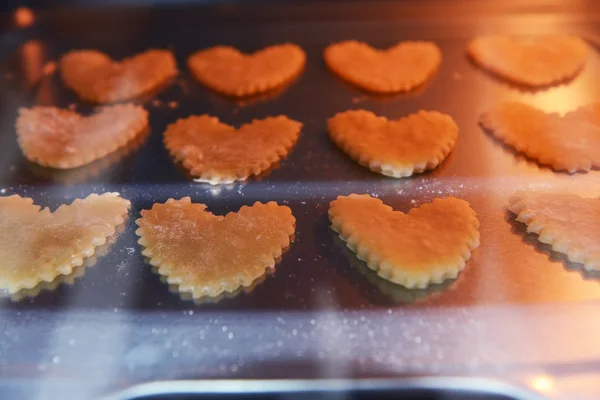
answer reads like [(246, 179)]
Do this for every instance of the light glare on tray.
[(542, 383)]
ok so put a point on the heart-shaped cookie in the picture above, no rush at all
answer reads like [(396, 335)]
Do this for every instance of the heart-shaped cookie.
[(208, 254), (95, 77), (569, 223), (398, 294), (400, 68), (530, 61), (230, 72), (396, 148), (38, 245), (64, 139), (219, 153), (75, 275), (59, 281), (569, 143), (427, 245)]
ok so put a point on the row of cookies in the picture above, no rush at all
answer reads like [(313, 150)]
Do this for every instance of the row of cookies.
[(216, 153), (535, 62), (207, 255)]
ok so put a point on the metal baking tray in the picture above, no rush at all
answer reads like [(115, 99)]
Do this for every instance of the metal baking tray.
[(518, 312)]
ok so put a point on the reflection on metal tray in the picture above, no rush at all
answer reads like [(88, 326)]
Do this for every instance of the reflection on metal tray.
[(377, 389), (511, 281), (508, 267)]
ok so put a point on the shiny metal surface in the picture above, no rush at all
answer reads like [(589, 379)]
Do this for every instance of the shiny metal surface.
[(516, 307), (453, 387)]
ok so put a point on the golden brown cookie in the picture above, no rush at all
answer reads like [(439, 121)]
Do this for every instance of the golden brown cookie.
[(400, 68), (95, 77), (530, 61), (230, 72), (39, 245), (75, 275), (64, 139), (59, 281), (398, 294), (208, 254), (396, 148), (569, 223), (429, 244), (569, 143), (219, 153)]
